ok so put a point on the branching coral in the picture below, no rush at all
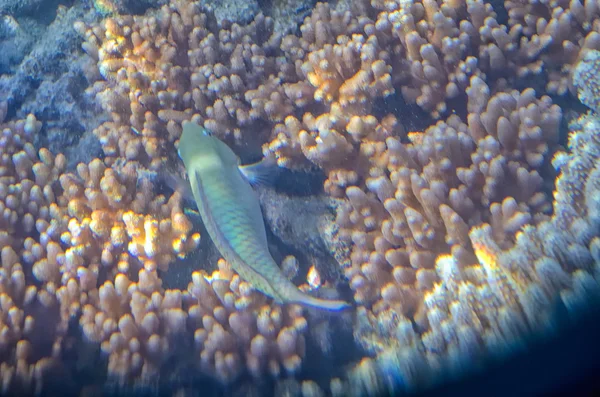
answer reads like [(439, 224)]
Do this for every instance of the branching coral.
[(555, 36), (63, 235), (177, 66), (31, 326), (428, 194), (235, 328), (491, 305)]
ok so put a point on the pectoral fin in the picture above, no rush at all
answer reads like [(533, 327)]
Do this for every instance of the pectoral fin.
[(264, 172)]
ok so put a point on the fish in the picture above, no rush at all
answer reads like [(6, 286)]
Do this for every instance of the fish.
[(231, 213)]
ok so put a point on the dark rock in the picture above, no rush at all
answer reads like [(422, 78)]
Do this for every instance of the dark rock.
[(287, 14), (50, 83), (16, 40), (241, 12), (21, 7)]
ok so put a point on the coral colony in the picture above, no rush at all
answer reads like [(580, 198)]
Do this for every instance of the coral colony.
[(456, 241)]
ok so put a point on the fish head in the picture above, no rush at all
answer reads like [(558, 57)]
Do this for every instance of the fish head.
[(199, 148)]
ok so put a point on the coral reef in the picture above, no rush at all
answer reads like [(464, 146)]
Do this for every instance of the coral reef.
[(586, 80), (492, 306), (63, 235), (456, 242)]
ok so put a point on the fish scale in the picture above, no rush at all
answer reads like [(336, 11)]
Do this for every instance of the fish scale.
[(231, 213), (236, 228)]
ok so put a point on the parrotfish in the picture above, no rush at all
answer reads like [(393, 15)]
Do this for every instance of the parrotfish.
[(230, 210)]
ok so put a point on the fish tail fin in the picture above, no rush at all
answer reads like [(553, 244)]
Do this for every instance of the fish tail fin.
[(318, 303), (325, 304)]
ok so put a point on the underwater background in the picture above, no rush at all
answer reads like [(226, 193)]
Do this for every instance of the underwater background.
[(437, 168)]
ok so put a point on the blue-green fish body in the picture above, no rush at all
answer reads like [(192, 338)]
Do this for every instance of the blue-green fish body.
[(231, 213)]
